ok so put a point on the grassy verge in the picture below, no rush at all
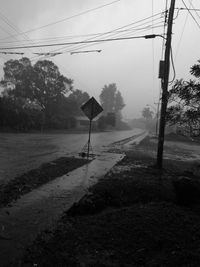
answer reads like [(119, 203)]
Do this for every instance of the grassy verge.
[(130, 218), (37, 177)]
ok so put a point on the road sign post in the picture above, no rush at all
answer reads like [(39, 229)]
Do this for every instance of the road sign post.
[(91, 109)]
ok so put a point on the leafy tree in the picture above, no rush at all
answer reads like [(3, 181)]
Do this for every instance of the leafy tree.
[(107, 97), (41, 84), (76, 99), (147, 113), (16, 115), (49, 86), (184, 98), (112, 102), (119, 102)]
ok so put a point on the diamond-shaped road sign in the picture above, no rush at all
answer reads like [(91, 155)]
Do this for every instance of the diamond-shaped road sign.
[(91, 108)]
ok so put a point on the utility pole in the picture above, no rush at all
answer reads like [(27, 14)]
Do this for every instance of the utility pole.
[(165, 82)]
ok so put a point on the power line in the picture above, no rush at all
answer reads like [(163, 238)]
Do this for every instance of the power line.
[(82, 42), (94, 35), (88, 51), (114, 32), (194, 9), (191, 14), (183, 29), (10, 24), (11, 53), (67, 18), (110, 33)]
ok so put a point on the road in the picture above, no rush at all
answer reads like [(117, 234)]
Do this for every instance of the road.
[(22, 152)]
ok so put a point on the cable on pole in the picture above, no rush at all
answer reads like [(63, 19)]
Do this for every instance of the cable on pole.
[(88, 51), (84, 42)]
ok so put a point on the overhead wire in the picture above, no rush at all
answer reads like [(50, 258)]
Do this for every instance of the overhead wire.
[(195, 9), (87, 45), (80, 42), (67, 18), (117, 31), (113, 32), (140, 22), (113, 35), (72, 51), (181, 37), (12, 26), (75, 36), (198, 25)]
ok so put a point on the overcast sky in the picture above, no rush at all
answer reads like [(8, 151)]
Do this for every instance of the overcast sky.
[(131, 64)]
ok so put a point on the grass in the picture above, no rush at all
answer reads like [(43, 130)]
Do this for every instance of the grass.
[(129, 218), (34, 178)]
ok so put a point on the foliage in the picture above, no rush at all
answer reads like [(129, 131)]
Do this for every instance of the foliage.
[(147, 113), (111, 99), (112, 102), (34, 96), (14, 114), (184, 98), (77, 98)]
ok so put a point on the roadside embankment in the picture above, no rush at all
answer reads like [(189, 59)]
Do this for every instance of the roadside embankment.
[(133, 216)]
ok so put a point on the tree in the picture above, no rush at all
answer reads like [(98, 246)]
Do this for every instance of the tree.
[(76, 99), (49, 86), (184, 98), (112, 103), (107, 97), (147, 113), (119, 102), (41, 84)]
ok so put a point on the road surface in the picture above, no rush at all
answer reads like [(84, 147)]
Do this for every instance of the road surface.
[(22, 152)]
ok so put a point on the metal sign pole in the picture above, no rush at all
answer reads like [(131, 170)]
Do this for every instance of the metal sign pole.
[(91, 109), (88, 150), (90, 128)]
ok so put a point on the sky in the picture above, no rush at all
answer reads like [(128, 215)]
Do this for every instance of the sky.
[(132, 64)]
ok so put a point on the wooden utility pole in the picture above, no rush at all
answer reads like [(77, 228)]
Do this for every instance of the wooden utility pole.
[(165, 82)]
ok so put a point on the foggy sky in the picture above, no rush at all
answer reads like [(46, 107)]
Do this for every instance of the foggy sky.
[(131, 64)]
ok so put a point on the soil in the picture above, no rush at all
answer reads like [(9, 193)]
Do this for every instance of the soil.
[(32, 179), (132, 217)]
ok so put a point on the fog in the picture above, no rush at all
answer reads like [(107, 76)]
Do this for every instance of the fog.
[(131, 64)]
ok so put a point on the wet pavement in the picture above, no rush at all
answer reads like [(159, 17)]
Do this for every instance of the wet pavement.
[(22, 152), (40, 209)]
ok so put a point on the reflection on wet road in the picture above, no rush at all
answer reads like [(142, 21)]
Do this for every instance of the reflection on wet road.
[(22, 152)]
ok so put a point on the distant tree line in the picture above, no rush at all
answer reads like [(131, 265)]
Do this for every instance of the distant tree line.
[(36, 97)]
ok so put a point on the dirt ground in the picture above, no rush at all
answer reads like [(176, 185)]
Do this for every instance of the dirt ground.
[(134, 216)]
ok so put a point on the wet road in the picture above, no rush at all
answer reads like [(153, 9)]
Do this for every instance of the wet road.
[(22, 152)]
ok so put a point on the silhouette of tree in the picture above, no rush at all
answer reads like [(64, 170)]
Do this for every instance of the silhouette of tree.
[(184, 98), (112, 103), (147, 113), (107, 97), (40, 85)]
